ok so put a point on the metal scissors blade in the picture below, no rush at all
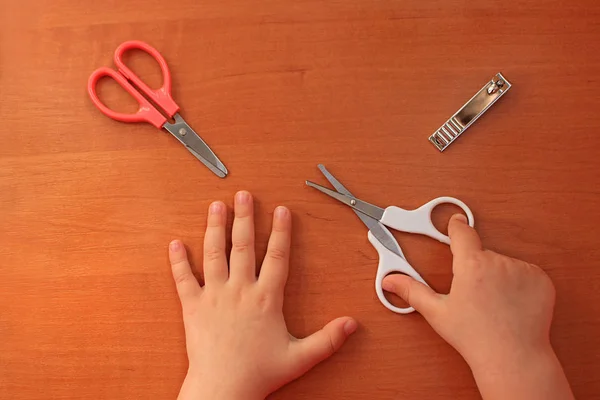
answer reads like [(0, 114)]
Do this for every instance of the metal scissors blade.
[(194, 143), (346, 197), (366, 208), (155, 104), (377, 229)]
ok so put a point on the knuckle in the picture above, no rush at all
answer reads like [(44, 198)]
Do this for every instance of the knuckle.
[(212, 300), (538, 280), (405, 293), (279, 228), (235, 294), (277, 254), (550, 288), (213, 253), (265, 301), (241, 246), (479, 258), (190, 308), (546, 283), (473, 260), (243, 215), (183, 278), (331, 345)]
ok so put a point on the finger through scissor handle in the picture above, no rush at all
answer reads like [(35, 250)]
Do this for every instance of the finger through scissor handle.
[(419, 220), (390, 263), (161, 96), (426, 210)]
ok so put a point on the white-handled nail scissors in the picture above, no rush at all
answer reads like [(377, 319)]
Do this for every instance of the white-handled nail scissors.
[(391, 258)]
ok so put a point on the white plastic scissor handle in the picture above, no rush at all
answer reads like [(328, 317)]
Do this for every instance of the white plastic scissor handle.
[(390, 262), (419, 220)]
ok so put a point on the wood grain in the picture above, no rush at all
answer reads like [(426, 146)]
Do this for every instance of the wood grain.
[(88, 205)]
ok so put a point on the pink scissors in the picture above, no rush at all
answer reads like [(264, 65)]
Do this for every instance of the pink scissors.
[(149, 112)]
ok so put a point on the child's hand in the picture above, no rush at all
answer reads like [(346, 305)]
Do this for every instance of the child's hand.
[(496, 305), (497, 316), (237, 341)]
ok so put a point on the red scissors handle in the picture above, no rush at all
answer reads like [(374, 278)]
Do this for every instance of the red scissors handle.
[(161, 97)]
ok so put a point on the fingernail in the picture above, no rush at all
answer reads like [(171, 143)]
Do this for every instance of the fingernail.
[(215, 208), (388, 286), (350, 327), (242, 197), (175, 245), (281, 212), (461, 218)]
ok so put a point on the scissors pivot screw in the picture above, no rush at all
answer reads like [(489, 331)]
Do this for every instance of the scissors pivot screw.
[(353, 202), (156, 106)]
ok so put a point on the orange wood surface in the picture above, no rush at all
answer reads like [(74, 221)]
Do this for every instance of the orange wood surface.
[(88, 205)]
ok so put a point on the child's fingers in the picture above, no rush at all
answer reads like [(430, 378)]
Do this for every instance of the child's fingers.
[(322, 344), (242, 264), (188, 287), (215, 262), (419, 296), (274, 271), (464, 238)]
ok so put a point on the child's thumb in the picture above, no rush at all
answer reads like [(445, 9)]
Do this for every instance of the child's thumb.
[(322, 344), (421, 297)]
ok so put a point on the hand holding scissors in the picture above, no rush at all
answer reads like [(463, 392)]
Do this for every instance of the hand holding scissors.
[(148, 112), (391, 258)]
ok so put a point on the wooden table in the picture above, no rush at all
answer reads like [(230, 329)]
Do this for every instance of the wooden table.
[(88, 205)]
